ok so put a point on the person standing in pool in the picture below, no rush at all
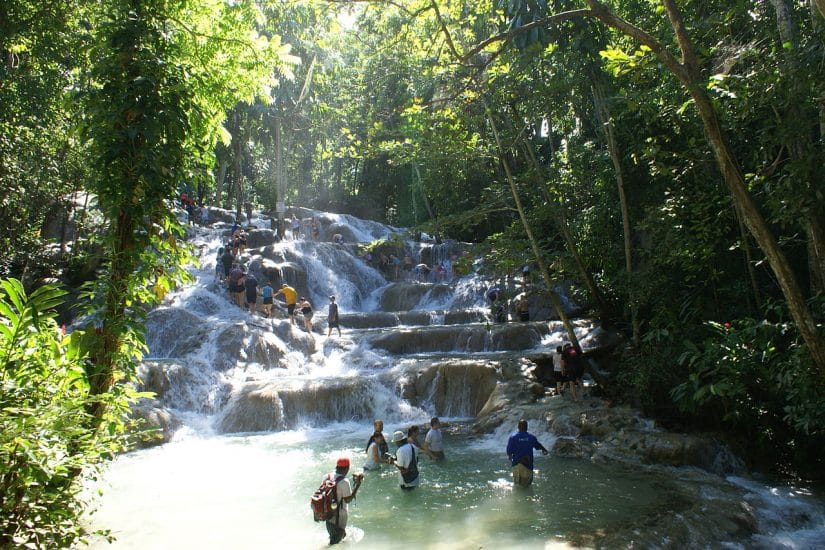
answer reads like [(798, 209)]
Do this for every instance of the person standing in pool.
[(520, 450), (433, 441), (344, 494)]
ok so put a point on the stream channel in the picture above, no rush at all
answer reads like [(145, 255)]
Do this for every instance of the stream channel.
[(255, 411)]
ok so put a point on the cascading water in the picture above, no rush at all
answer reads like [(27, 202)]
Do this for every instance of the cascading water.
[(259, 410)]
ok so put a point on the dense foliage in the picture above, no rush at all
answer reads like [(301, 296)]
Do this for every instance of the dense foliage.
[(45, 442)]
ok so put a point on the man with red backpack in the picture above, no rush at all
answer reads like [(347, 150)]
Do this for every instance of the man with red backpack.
[(344, 493)]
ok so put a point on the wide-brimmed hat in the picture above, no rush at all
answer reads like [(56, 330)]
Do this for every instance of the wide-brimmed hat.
[(398, 436)]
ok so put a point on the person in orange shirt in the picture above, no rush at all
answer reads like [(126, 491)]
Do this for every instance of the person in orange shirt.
[(291, 298)]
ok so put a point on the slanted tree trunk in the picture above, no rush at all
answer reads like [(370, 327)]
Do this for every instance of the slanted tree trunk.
[(545, 272), (606, 122), (820, 5), (560, 217)]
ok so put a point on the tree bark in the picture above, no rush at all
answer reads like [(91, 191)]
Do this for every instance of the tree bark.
[(801, 145), (220, 177), (687, 71)]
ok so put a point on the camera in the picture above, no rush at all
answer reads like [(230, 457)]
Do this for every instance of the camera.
[(389, 458)]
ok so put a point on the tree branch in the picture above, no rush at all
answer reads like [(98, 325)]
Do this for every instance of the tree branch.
[(509, 35)]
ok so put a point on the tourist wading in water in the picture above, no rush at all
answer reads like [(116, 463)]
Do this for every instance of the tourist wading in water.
[(345, 493), (520, 450), (433, 441), (406, 460)]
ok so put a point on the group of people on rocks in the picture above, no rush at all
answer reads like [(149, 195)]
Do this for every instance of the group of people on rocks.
[(568, 369), (520, 447), (314, 233), (499, 306), (245, 289), (398, 269)]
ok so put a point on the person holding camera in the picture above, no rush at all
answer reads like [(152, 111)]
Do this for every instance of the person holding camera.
[(345, 493), (406, 460)]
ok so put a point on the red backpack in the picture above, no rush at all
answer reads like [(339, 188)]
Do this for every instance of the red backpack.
[(324, 501)]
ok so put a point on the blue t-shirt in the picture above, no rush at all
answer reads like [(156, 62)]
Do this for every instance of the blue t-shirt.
[(266, 291), (521, 445)]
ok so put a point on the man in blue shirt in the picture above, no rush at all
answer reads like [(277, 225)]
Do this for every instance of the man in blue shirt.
[(520, 450)]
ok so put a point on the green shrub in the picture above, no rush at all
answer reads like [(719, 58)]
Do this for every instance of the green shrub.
[(756, 378), (46, 443)]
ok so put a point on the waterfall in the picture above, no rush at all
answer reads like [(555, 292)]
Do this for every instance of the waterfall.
[(255, 410)]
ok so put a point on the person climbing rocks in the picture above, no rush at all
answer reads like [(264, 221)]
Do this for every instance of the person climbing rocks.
[(422, 272), (332, 317), (497, 309), (227, 259), (344, 493), (558, 370), (315, 229), (266, 291), (251, 287), (520, 450), (290, 297), (235, 283), (408, 266), (306, 312), (219, 270), (573, 368)]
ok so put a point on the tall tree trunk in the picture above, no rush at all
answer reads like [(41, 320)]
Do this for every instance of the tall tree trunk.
[(545, 272), (219, 181), (606, 122), (688, 72), (424, 197), (800, 146)]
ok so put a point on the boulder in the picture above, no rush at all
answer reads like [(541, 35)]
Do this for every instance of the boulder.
[(257, 238), (152, 425), (174, 332), (456, 388)]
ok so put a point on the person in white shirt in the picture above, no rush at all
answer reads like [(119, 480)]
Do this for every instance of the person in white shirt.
[(375, 455), (433, 441), (406, 460), (557, 370)]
